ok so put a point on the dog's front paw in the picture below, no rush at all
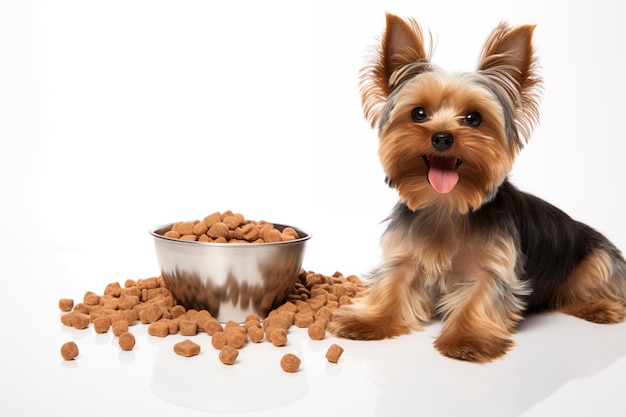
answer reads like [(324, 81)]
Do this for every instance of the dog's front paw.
[(473, 348), (347, 324)]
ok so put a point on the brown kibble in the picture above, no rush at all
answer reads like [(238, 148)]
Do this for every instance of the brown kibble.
[(288, 306), (334, 353), (111, 303), (114, 289), (231, 221), (218, 340), (228, 355), (276, 335), (304, 319), (127, 302), (317, 331), (211, 219), (130, 316), (80, 321), (229, 227), (150, 314), (66, 304), (187, 348), (323, 314), (149, 283), (291, 232), (91, 298), (172, 325), (81, 308), (66, 319), (315, 279), (177, 311), (290, 362), (69, 351), (185, 228), (130, 291), (159, 329), (218, 230), (235, 339), (101, 325), (251, 323), (271, 235), (277, 320), (344, 299), (200, 228), (316, 303), (310, 304), (256, 334), (231, 324), (188, 327), (119, 327), (126, 341), (213, 326), (172, 234), (249, 232)]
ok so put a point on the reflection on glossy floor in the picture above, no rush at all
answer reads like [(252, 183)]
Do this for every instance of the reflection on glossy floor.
[(559, 363)]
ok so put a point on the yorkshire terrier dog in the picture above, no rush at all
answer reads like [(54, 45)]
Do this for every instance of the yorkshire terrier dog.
[(463, 243)]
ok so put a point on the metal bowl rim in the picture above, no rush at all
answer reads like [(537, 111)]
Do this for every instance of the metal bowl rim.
[(156, 235)]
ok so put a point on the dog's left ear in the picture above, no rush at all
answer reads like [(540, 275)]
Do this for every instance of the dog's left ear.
[(508, 60)]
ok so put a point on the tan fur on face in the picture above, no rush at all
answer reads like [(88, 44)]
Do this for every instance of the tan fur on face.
[(486, 155)]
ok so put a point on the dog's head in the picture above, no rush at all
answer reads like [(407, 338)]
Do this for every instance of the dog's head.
[(449, 139)]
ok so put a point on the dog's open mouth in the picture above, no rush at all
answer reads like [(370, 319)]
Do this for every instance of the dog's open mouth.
[(442, 172)]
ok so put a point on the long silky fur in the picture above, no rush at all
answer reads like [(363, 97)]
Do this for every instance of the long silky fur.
[(485, 254)]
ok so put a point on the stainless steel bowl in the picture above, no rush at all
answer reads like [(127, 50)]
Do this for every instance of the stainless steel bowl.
[(230, 280)]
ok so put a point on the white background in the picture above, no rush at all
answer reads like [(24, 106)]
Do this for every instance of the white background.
[(121, 115)]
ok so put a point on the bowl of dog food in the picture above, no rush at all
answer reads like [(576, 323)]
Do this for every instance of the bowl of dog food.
[(228, 265)]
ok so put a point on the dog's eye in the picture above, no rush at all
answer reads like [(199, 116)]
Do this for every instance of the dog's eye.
[(419, 115), (473, 119)]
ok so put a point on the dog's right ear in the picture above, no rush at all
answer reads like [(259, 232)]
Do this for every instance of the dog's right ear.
[(402, 43)]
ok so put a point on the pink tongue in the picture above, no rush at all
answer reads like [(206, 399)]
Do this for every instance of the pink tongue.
[(442, 174)]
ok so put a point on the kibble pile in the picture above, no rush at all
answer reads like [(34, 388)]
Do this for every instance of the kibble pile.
[(148, 301), (229, 227)]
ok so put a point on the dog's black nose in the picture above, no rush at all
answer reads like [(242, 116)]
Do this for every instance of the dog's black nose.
[(442, 140)]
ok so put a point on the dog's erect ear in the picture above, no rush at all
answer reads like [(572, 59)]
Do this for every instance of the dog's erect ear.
[(510, 51), (402, 43), (508, 60)]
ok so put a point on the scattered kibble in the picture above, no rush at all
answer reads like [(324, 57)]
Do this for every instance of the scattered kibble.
[(228, 355), (79, 321), (69, 351), (119, 327), (187, 348), (101, 325), (126, 341), (290, 362), (310, 304), (334, 353), (66, 304)]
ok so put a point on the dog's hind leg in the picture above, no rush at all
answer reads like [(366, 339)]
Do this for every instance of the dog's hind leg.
[(596, 289)]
